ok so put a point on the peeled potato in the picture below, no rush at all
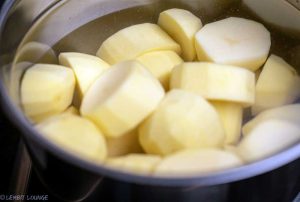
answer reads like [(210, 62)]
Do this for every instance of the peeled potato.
[(137, 163), (182, 120), (121, 98), (288, 113), (231, 115), (72, 110), (182, 26), (134, 41), (46, 90), (128, 143), (76, 135), (215, 82), (277, 85), (268, 138), (86, 68), (193, 162), (234, 41), (160, 64)]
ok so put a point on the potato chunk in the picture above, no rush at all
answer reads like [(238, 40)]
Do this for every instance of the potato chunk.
[(215, 82), (277, 85), (182, 26), (121, 98), (234, 41), (160, 64), (196, 162), (182, 120), (76, 135), (46, 90), (134, 41)]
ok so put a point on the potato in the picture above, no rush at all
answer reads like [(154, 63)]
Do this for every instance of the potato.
[(46, 90), (72, 110), (86, 68), (182, 26), (268, 138), (231, 115), (160, 64), (136, 163), (134, 41), (121, 98), (288, 113), (76, 135), (128, 143), (277, 85), (215, 82), (196, 162), (234, 41), (182, 120)]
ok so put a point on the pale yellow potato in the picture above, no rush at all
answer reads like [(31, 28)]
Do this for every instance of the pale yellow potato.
[(268, 138), (234, 41), (182, 26), (128, 143), (231, 115), (197, 162), (277, 85), (287, 113), (136, 163), (76, 135), (182, 120), (134, 41), (121, 98), (72, 110), (86, 68), (160, 64), (46, 90), (215, 81)]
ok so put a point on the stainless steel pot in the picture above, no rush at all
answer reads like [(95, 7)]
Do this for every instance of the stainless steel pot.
[(74, 25)]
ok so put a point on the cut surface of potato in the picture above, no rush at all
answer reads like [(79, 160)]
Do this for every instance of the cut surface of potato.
[(46, 90), (277, 85), (194, 162), (137, 163), (234, 41), (134, 41), (215, 81), (72, 110), (121, 98), (182, 120), (128, 143), (160, 64), (76, 135), (288, 113), (268, 138), (182, 26), (231, 115), (86, 68)]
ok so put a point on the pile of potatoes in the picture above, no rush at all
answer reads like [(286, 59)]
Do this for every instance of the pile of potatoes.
[(169, 98)]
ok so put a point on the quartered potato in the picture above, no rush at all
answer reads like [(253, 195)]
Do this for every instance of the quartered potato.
[(76, 135), (234, 41), (134, 41), (288, 113), (121, 98), (182, 120), (215, 82), (231, 115), (137, 163), (128, 143), (277, 85), (86, 68), (46, 90), (268, 138), (182, 26), (199, 161), (160, 64)]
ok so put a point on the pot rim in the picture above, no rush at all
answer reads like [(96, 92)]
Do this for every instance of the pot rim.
[(17, 118)]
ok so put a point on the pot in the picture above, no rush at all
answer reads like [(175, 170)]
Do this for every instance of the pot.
[(31, 31)]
